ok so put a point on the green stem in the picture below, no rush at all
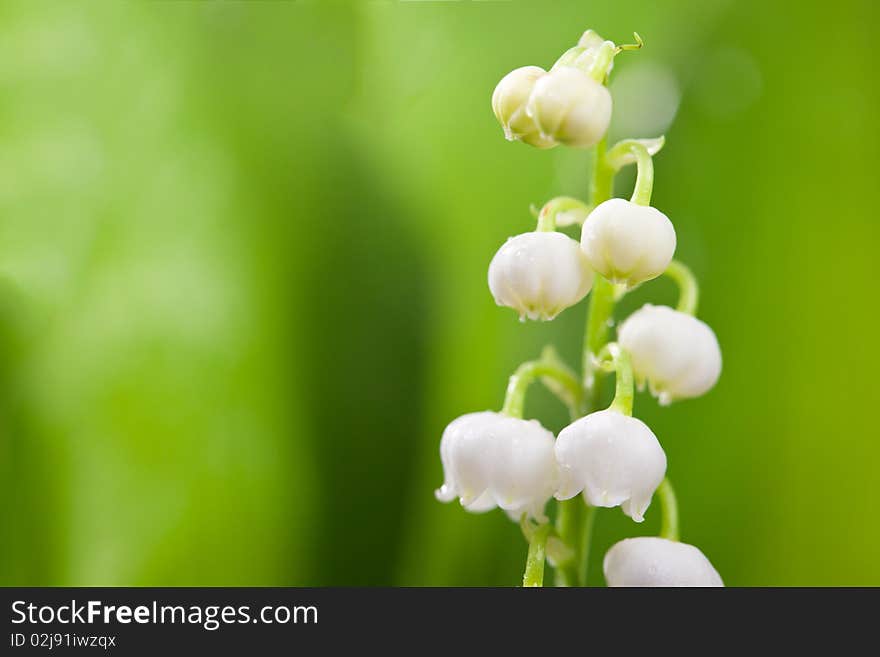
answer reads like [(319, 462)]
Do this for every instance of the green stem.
[(586, 536), (525, 375), (638, 45), (534, 573), (621, 365), (602, 301), (574, 520), (688, 288), (645, 176), (623, 154), (669, 522), (602, 297), (555, 206), (602, 184), (570, 516)]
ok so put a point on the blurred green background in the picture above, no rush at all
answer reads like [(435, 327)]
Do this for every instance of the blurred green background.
[(243, 252)]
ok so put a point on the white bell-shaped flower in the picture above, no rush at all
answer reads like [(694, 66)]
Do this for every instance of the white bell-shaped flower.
[(676, 354), (652, 561), (491, 459), (613, 458), (539, 274), (571, 107), (509, 104), (628, 243)]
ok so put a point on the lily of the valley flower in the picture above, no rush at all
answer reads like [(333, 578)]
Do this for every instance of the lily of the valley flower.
[(539, 274), (491, 459), (676, 354), (613, 458), (628, 243), (570, 107), (509, 104), (652, 561)]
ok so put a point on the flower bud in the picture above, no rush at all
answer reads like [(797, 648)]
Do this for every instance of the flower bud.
[(509, 104), (491, 459), (590, 40), (539, 274), (652, 561), (570, 107), (613, 458), (677, 354), (628, 243)]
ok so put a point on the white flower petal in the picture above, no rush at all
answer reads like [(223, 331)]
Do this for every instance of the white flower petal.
[(614, 459), (539, 274), (571, 107), (676, 353), (509, 104), (483, 503), (494, 460), (652, 561), (628, 243)]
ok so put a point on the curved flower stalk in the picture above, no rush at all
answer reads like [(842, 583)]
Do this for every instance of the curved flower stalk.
[(500, 460), (673, 352), (630, 242), (605, 457), (613, 458)]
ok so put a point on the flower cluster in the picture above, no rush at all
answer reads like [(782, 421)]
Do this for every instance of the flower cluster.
[(566, 105), (605, 457)]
